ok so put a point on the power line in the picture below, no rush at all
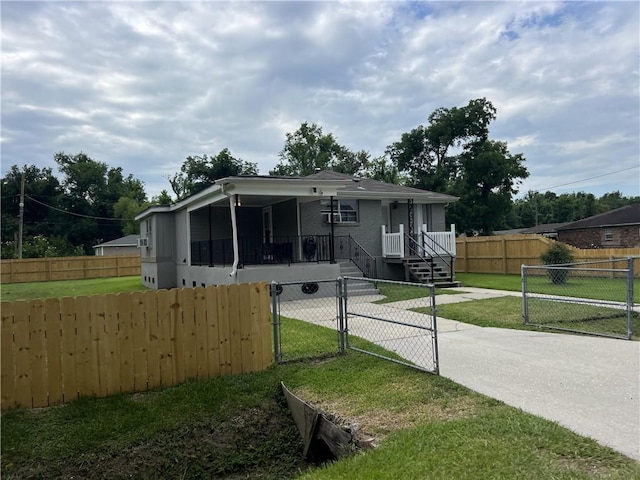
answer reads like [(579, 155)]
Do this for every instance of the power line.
[(590, 178), (78, 214)]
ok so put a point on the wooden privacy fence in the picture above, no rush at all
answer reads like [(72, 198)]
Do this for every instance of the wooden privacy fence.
[(506, 253), (56, 350), (68, 268)]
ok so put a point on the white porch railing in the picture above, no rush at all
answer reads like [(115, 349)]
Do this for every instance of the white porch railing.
[(393, 243), (433, 243), (440, 243)]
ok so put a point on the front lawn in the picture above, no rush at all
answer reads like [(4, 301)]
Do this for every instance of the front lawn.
[(11, 292), (238, 427), (598, 288)]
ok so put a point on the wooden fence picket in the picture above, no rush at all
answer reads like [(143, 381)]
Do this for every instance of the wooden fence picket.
[(55, 350)]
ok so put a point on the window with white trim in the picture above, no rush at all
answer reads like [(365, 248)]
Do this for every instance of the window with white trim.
[(346, 210), (608, 234)]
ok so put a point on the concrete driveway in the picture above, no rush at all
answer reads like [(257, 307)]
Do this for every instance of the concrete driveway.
[(588, 384)]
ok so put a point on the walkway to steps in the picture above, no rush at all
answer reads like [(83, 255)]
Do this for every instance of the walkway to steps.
[(590, 385)]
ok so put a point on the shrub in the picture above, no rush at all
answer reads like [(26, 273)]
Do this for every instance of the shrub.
[(557, 254)]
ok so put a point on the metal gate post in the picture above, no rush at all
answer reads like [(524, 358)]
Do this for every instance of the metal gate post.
[(525, 303), (341, 310), (629, 296), (276, 321), (434, 332)]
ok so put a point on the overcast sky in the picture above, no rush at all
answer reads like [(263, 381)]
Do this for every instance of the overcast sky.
[(142, 85)]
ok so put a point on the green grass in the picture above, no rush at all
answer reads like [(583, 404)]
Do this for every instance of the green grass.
[(613, 289), (490, 280), (237, 426), (10, 292), (506, 312), (396, 292), (426, 426)]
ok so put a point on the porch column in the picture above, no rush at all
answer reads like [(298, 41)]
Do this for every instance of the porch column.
[(332, 258), (410, 216), (233, 200)]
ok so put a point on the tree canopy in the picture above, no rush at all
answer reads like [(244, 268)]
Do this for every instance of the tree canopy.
[(453, 154), (70, 214), (308, 149), (199, 172)]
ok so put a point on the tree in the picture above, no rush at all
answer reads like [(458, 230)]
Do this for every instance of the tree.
[(163, 199), (488, 174), (424, 152), (308, 149), (40, 186), (199, 172), (384, 171), (92, 191), (127, 208), (453, 154)]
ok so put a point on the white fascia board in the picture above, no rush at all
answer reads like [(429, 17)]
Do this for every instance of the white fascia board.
[(426, 198), (207, 200), (291, 187), (150, 211)]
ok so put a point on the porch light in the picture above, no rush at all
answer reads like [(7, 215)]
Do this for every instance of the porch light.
[(238, 202)]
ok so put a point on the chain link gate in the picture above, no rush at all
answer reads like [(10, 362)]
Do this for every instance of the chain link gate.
[(314, 302), (594, 298), (355, 316), (404, 331)]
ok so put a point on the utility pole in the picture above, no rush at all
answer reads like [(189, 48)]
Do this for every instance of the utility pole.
[(21, 216)]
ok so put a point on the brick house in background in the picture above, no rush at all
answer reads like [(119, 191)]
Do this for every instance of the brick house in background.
[(619, 228)]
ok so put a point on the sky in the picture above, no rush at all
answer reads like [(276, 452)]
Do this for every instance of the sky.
[(142, 85)]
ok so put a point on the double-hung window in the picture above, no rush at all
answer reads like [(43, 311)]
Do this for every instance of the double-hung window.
[(345, 211)]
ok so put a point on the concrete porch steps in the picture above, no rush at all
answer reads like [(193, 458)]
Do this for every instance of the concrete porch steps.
[(429, 271), (356, 288)]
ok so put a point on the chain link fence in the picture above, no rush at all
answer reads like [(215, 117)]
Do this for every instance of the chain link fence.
[(314, 302), (391, 320), (400, 325), (595, 298)]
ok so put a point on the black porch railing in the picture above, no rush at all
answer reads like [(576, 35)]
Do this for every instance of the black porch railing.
[(348, 247), (254, 251)]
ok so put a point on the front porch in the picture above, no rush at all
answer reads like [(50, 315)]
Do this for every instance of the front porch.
[(428, 257), (252, 251)]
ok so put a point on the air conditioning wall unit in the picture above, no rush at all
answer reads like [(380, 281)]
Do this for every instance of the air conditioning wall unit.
[(143, 242), (332, 218)]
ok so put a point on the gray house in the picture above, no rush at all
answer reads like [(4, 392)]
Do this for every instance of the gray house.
[(127, 245), (263, 228)]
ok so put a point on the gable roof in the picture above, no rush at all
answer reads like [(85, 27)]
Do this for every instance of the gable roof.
[(628, 215), (126, 241), (544, 228), (362, 187)]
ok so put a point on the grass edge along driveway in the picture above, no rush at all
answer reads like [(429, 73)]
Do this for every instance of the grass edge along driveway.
[(426, 427)]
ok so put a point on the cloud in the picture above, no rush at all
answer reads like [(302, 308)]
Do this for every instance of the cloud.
[(142, 85)]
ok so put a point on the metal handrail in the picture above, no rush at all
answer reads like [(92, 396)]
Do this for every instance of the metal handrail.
[(416, 252), (421, 246), (361, 252), (433, 249)]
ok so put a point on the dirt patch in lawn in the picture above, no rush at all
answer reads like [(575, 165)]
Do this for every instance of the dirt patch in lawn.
[(255, 443)]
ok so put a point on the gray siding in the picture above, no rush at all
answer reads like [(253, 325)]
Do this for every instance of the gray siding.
[(182, 238), (437, 218), (366, 232), (285, 219)]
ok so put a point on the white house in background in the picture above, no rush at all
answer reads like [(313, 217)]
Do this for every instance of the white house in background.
[(264, 228), (127, 245)]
